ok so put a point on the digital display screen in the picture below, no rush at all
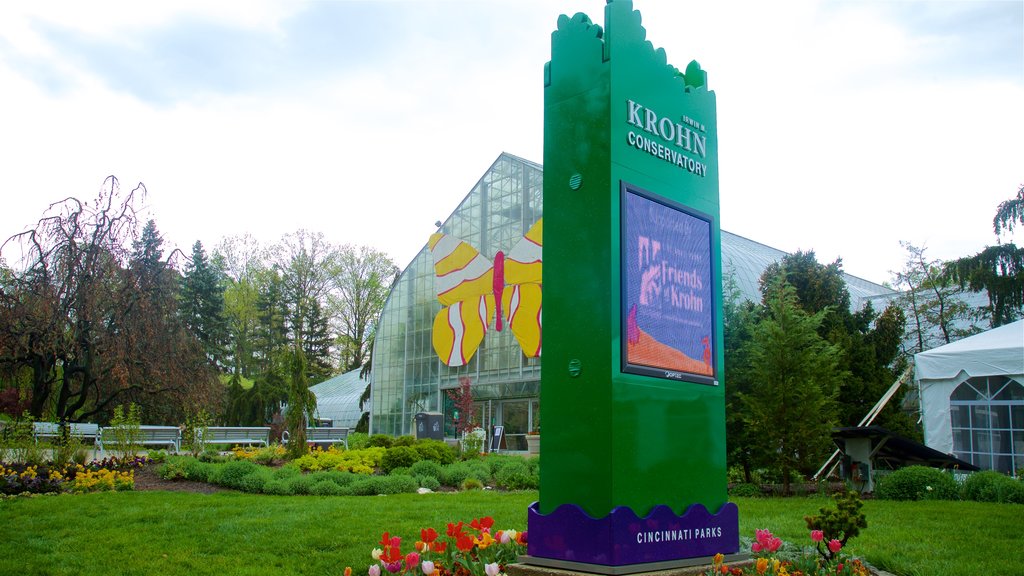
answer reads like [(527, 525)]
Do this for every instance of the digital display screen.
[(668, 321)]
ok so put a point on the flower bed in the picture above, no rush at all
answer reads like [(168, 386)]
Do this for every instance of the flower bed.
[(463, 550)]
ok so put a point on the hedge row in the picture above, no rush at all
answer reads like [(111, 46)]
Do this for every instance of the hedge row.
[(924, 483)]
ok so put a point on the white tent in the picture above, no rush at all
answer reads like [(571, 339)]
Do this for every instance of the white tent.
[(983, 420)]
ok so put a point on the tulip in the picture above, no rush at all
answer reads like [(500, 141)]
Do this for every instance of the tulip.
[(374, 570), (492, 569), (376, 553), (348, 571), (428, 567), (835, 545), (412, 559), (394, 567), (718, 559), (817, 535)]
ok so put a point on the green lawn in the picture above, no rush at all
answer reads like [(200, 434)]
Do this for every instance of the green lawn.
[(144, 533)]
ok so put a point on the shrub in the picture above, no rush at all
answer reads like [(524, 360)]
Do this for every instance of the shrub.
[(256, 482), (340, 478), (516, 475), (398, 456), (300, 484), (426, 468), (380, 441), (456, 473), (358, 440), (428, 482), (400, 471), (843, 522), (278, 488), (404, 441), (286, 472), (496, 462), (233, 474), (373, 485), (185, 468), (471, 484), (436, 450), (917, 483), (326, 487), (992, 486), (745, 490), (157, 455)]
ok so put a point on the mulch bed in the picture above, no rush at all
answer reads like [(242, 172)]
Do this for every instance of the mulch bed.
[(146, 478)]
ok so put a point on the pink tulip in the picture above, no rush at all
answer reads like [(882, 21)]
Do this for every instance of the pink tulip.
[(817, 535), (412, 559), (374, 570), (428, 567), (835, 545), (491, 569)]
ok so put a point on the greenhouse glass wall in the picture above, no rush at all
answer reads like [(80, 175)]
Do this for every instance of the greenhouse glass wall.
[(408, 377)]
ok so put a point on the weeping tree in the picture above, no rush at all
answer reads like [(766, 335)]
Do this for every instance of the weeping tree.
[(90, 319), (999, 269), (301, 404)]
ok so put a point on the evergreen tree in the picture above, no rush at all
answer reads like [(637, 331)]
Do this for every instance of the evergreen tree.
[(317, 345), (202, 304), (795, 373), (740, 318)]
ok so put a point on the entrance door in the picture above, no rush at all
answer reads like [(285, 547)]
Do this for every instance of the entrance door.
[(515, 416)]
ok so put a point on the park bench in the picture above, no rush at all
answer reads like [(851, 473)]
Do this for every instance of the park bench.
[(51, 431), (169, 436), (237, 435), (326, 436)]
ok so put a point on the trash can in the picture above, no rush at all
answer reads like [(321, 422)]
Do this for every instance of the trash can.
[(429, 425)]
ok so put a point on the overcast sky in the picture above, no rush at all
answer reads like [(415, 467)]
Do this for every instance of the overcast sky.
[(844, 127)]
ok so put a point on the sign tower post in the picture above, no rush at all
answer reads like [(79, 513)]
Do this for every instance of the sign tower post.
[(633, 466)]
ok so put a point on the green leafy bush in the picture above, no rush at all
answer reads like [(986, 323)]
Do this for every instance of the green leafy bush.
[(398, 456), (428, 482), (992, 486), (745, 490), (256, 482), (374, 485), (458, 472), (326, 487), (516, 475), (380, 441), (186, 468), (406, 440), (287, 471), (841, 523), (233, 473), (300, 484), (278, 488), (340, 478), (426, 468), (917, 483), (436, 451), (358, 440), (471, 484)]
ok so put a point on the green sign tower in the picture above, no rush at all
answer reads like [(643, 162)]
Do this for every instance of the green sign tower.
[(633, 461)]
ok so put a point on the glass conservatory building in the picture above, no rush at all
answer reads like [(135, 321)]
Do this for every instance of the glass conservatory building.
[(408, 377)]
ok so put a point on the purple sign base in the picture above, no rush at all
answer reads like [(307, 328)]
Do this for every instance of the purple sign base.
[(622, 538)]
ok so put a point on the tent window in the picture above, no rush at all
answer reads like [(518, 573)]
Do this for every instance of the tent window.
[(987, 417)]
